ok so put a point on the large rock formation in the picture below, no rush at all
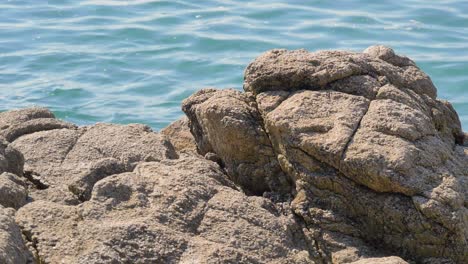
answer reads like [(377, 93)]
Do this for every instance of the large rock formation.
[(373, 154), (121, 194), (327, 157)]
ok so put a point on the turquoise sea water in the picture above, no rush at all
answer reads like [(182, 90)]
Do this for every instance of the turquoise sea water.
[(136, 60)]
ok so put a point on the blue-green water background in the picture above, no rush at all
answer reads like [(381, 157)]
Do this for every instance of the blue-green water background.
[(136, 60)]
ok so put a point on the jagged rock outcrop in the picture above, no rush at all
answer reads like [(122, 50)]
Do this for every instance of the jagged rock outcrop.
[(373, 154), (327, 157)]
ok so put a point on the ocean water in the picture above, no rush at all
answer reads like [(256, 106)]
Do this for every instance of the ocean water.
[(135, 61)]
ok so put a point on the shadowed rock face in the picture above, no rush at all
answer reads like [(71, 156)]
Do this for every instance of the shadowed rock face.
[(179, 134), (228, 123), (11, 160), (12, 248), (327, 157), (373, 155)]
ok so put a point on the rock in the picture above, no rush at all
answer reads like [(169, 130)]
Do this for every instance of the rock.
[(11, 160), (363, 139), (35, 125), (323, 128), (388, 55), (84, 181), (213, 157), (12, 247), (387, 260), (18, 117), (171, 211), (13, 192), (227, 123), (45, 151), (283, 70), (63, 161), (130, 144), (120, 150), (44, 154), (179, 134)]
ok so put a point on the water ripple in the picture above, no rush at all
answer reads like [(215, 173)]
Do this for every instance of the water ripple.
[(135, 61)]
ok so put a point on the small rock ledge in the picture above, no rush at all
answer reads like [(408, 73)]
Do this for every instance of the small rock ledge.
[(327, 157)]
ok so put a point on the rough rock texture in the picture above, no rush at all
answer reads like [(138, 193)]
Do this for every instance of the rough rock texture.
[(11, 160), (173, 211), (54, 148), (179, 134), (375, 158), (12, 248), (387, 260), (282, 70), (227, 123), (13, 192)]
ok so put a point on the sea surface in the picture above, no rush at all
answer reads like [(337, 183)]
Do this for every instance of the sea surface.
[(135, 61)]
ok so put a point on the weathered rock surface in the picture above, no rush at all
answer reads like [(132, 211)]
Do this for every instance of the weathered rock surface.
[(227, 123), (11, 160), (12, 247), (173, 211), (64, 161), (374, 156), (13, 192), (282, 70), (327, 157), (387, 260)]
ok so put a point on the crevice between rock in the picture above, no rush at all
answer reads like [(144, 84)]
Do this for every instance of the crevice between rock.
[(199, 219), (351, 137), (34, 180), (72, 146), (311, 241), (32, 246)]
